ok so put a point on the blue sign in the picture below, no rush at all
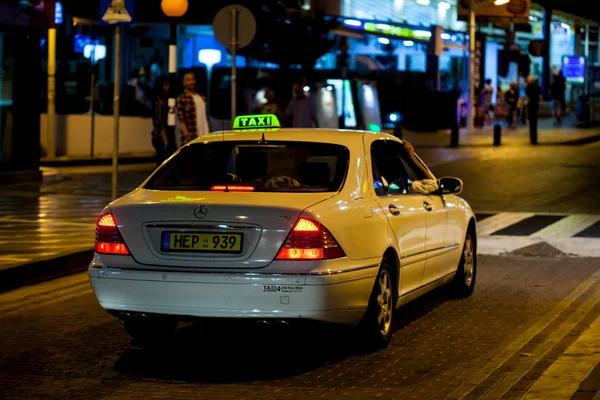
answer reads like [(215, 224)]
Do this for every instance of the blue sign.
[(80, 41), (573, 69), (58, 13)]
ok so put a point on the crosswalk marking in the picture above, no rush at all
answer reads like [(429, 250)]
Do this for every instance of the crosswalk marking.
[(500, 221), (567, 227)]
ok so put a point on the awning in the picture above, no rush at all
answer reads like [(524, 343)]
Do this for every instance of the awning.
[(341, 31), (369, 63)]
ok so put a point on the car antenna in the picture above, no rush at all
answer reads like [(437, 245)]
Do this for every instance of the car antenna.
[(262, 140), (223, 136)]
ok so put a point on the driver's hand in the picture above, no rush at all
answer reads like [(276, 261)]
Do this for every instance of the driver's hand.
[(408, 147)]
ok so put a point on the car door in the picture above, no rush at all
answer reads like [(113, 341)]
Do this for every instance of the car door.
[(405, 213), (437, 243)]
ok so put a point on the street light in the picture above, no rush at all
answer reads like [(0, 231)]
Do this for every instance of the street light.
[(209, 57), (172, 9), (116, 12)]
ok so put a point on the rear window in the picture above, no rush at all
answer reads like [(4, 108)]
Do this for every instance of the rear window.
[(271, 167)]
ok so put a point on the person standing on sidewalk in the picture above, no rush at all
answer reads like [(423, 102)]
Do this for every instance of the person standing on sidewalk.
[(511, 97), (192, 111), (533, 94), (301, 110), (161, 140), (486, 100), (557, 92)]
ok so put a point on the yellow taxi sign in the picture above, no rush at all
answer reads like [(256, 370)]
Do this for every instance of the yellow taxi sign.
[(260, 122)]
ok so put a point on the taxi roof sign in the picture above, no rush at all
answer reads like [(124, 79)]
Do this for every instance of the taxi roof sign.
[(260, 122)]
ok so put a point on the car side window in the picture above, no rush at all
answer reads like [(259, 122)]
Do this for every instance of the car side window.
[(415, 172), (388, 170)]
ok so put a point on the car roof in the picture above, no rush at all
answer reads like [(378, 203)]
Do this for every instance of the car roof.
[(344, 137)]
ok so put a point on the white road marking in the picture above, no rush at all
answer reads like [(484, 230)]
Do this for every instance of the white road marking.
[(568, 226), (500, 221)]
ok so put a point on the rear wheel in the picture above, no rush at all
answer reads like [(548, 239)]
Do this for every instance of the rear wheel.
[(464, 281), (376, 326)]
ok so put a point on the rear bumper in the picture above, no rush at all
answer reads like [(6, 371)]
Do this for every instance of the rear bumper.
[(335, 298)]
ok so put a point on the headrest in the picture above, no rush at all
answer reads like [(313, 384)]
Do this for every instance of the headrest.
[(252, 165), (314, 174)]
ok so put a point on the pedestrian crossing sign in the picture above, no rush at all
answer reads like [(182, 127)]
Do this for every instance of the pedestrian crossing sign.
[(260, 122)]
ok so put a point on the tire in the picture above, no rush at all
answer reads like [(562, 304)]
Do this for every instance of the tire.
[(146, 331), (463, 284), (376, 325)]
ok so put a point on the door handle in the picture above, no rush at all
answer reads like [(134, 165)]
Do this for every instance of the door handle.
[(427, 206), (394, 210)]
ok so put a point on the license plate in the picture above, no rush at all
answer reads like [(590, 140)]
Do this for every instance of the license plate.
[(202, 242)]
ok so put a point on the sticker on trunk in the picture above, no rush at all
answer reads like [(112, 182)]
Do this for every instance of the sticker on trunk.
[(282, 289)]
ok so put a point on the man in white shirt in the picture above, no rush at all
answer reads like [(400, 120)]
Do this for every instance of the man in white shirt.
[(192, 111)]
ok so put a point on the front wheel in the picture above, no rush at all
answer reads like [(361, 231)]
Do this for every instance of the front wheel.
[(376, 326), (463, 283)]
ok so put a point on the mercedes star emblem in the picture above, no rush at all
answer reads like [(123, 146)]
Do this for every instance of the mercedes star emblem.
[(200, 212)]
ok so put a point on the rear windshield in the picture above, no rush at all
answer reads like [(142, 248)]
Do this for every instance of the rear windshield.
[(272, 167)]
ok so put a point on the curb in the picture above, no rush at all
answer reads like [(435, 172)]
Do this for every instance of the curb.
[(45, 270), (51, 175)]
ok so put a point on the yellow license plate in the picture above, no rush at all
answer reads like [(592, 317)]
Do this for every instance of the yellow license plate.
[(202, 242)]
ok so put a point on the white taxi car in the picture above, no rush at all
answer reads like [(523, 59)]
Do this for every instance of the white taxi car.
[(279, 225)]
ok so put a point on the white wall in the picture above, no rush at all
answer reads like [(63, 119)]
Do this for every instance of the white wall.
[(73, 134)]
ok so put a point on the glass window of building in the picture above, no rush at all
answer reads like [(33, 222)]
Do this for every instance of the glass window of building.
[(7, 62)]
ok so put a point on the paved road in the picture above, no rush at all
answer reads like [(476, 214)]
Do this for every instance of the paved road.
[(58, 344), (543, 179)]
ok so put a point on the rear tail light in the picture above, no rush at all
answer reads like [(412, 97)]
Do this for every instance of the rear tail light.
[(108, 237), (309, 240)]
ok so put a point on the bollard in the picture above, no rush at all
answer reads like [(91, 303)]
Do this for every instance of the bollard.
[(454, 136), (398, 131), (497, 134)]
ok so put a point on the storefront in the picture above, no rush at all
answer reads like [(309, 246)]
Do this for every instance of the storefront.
[(21, 28)]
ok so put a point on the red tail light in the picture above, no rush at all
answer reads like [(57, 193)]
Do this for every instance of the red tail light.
[(108, 237), (232, 188), (309, 240)]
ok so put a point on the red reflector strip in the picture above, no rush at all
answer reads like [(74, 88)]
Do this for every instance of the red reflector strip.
[(232, 188), (111, 248), (300, 254), (107, 220)]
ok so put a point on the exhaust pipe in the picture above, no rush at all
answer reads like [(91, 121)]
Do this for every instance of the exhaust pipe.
[(125, 317), (282, 325)]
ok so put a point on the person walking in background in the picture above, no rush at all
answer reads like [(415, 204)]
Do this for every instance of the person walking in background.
[(161, 140), (301, 109), (511, 97), (557, 92), (270, 107), (486, 100), (192, 111), (533, 94)]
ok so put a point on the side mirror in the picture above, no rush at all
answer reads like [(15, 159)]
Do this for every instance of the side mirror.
[(450, 185)]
